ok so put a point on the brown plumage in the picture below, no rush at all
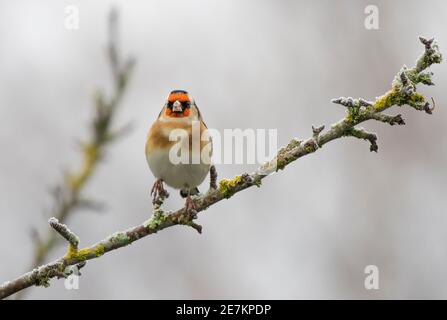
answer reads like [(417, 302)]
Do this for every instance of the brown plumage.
[(179, 113)]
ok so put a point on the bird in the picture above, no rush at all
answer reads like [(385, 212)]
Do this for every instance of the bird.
[(179, 114)]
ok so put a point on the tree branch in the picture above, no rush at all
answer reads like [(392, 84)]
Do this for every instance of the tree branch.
[(403, 92), (68, 195)]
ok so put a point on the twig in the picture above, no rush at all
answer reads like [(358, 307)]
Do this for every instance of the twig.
[(358, 112), (316, 133), (360, 133), (68, 196), (66, 233), (392, 120)]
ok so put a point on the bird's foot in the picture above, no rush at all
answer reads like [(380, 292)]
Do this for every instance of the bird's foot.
[(190, 207), (187, 217), (158, 192)]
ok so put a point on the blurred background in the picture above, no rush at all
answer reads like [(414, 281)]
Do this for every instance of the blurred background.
[(310, 230)]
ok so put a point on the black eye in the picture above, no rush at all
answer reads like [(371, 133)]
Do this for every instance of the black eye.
[(186, 104), (169, 105)]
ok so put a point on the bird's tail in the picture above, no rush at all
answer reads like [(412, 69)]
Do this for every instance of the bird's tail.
[(192, 192)]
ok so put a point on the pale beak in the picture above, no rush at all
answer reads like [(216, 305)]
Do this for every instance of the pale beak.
[(177, 106)]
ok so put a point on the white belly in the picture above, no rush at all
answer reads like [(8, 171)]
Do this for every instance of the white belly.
[(178, 176)]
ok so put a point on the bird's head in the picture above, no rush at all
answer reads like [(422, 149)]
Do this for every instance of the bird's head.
[(180, 105)]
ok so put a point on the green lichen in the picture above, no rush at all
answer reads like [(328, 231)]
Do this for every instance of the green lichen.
[(309, 148), (227, 186), (385, 101), (428, 59), (424, 78), (99, 250), (43, 280), (283, 157), (257, 181), (393, 97), (293, 144), (157, 219), (280, 163), (353, 112), (417, 98), (84, 253), (120, 238), (71, 252), (349, 117), (412, 75)]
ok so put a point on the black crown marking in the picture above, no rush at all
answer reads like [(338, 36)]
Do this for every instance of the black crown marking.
[(179, 91)]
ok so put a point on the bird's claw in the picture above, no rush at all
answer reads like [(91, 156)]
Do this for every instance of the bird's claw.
[(158, 192), (190, 207)]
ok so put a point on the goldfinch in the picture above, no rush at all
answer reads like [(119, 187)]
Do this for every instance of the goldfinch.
[(179, 114)]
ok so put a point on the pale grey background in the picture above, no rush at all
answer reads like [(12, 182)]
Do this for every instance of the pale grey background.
[(310, 230)]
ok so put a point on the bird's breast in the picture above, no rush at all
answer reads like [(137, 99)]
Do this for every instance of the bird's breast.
[(163, 158)]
